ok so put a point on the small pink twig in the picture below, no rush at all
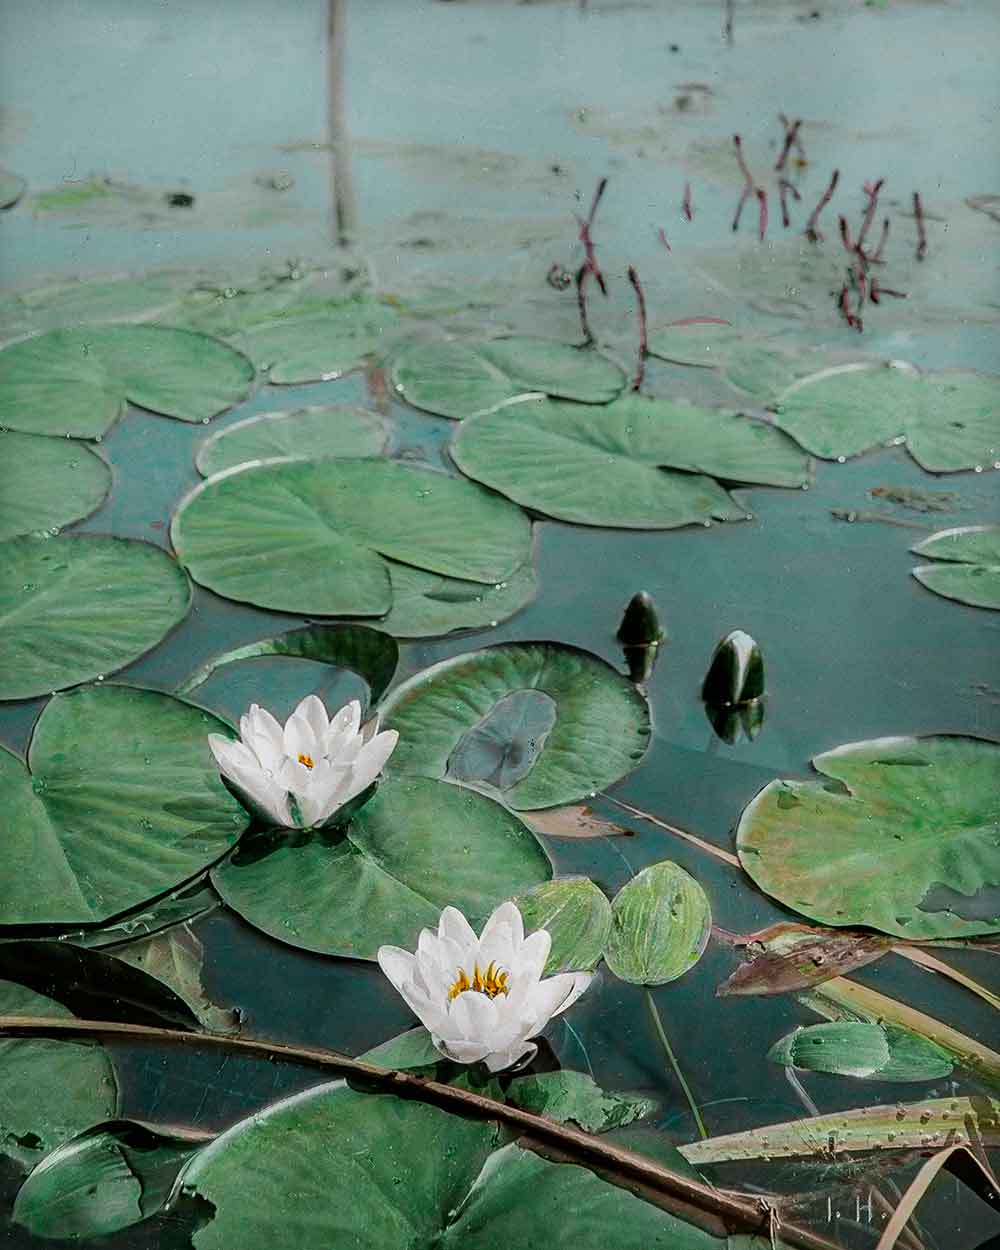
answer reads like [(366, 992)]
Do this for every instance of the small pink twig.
[(686, 208), (784, 189), (918, 213), (811, 231), (581, 303), (698, 321), (791, 137), (845, 234), (762, 202), (875, 258), (844, 303), (633, 277), (588, 242), (748, 183), (663, 239), (871, 189), (878, 291)]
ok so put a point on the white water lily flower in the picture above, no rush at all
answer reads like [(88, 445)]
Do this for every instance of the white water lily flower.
[(482, 998), (317, 762)]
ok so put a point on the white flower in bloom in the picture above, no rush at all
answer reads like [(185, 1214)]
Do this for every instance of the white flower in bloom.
[(482, 998), (301, 774)]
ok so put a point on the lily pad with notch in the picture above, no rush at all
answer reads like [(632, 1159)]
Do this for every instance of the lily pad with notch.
[(426, 605), (303, 434), (969, 565), (46, 483)]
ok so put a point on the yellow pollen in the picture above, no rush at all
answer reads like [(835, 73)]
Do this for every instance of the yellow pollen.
[(307, 760), (491, 982)]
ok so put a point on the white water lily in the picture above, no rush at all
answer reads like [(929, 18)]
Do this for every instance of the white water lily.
[(482, 998), (299, 774)]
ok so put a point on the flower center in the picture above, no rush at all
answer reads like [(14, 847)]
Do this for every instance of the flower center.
[(307, 760), (491, 982)]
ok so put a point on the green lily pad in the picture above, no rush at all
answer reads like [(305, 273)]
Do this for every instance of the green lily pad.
[(949, 421), (425, 604), (877, 1052), (405, 1052), (576, 914), (536, 723), (575, 1096), (305, 434), (701, 344), (46, 483), (122, 803), (414, 848), (75, 608), (76, 382), (310, 536), (764, 371), (11, 189), (400, 1175), (661, 923), (91, 300), (110, 1177), (49, 1090), (906, 843), (319, 346), (970, 568), (463, 379), (605, 466)]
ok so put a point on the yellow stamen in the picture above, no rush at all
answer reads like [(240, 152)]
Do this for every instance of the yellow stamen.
[(491, 982), (307, 760)]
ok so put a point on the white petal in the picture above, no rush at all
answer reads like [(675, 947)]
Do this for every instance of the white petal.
[(455, 926), (300, 739), (520, 1054), (506, 919), (230, 754), (397, 965), (475, 1016), (581, 981), (371, 760), (370, 728), (262, 733), (343, 728), (460, 1052), (265, 793), (534, 952), (552, 995), (312, 711)]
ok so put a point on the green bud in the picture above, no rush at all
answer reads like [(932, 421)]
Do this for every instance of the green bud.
[(736, 673), (640, 625)]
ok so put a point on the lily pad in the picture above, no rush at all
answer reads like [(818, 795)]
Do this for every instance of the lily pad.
[(310, 536), (76, 382), (661, 923), (949, 421), (11, 189), (970, 568), (576, 914), (46, 483), (320, 346), (122, 803), (425, 604), (537, 723), (459, 1190), (305, 434), (574, 1096), (91, 300), (876, 1052), (463, 379), (414, 848), (609, 466), (701, 344), (75, 608), (907, 843)]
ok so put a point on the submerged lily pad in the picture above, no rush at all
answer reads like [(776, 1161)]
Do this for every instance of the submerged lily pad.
[(123, 802), (970, 568), (76, 382), (907, 842), (427, 604), (46, 483), (874, 1052), (75, 608), (305, 434), (612, 465), (575, 1096), (310, 536), (463, 379), (416, 847), (537, 723), (321, 345), (661, 923), (576, 914), (701, 344), (460, 1190), (949, 421)]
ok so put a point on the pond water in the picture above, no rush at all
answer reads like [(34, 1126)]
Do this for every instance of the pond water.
[(438, 156)]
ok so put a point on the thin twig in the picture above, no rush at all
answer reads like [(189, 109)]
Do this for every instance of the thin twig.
[(784, 189), (686, 208), (812, 232), (876, 257), (662, 236), (791, 137), (661, 1033), (581, 303), (762, 201), (640, 372), (918, 213), (588, 242), (872, 190), (710, 847), (748, 182)]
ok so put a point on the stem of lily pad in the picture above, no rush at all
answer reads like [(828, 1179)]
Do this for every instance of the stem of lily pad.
[(669, 1051), (640, 373)]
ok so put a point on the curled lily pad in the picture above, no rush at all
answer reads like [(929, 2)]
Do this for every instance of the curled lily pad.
[(874, 1052), (536, 723), (906, 843), (661, 922), (305, 434), (74, 608), (970, 565), (463, 379), (46, 483), (577, 916)]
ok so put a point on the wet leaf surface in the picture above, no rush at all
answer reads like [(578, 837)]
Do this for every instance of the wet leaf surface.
[(970, 565), (576, 914), (661, 923), (46, 484), (305, 434)]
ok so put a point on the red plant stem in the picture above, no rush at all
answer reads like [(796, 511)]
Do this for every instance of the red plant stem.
[(871, 190), (588, 242), (875, 258), (686, 208), (747, 175), (663, 239), (784, 189), (739, 207), (918, 213), (844, 304), (812, 232), (845, 234), (797, 140), (581, 303), (791, 137), (878, 291), (762, 201), (640, 374), (860, 274)]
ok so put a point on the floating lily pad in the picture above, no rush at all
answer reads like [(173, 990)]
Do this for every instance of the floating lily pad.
[(538, 723), (306, 434), (576, 914), (74, 608), (310, 536), (94, 300), (661, 922), (427, 604), (907, 843), (76, 382), (416, 847), (970, 568), (463, 379), (123, 802), (459, 1190), (11, 189), (949, 421), (46, 483), (574, 1096), (405, 1052), (875, 1052), (612, 465), (319, 346), (702, 344)]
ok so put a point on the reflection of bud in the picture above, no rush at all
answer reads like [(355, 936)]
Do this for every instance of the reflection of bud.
[(730, 723), (641, 623), (736, 673), (641, 661)]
